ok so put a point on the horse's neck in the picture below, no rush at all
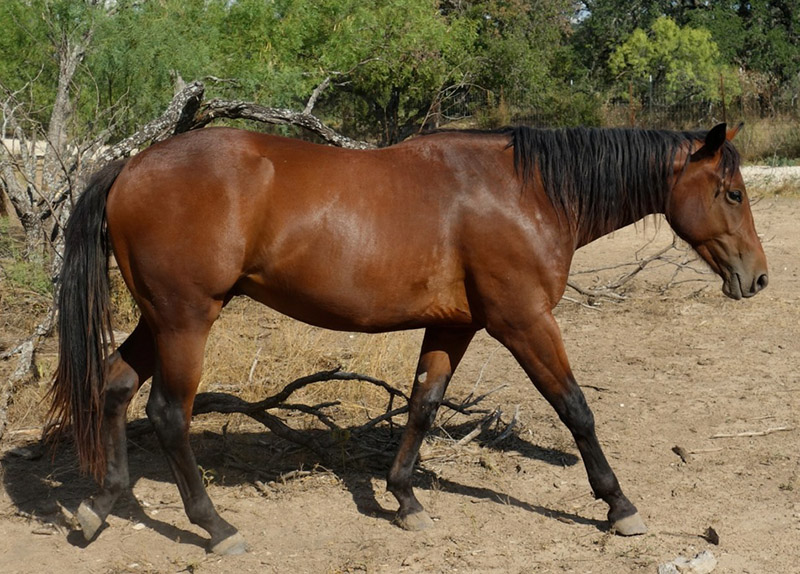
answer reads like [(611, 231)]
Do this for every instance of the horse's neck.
[(587, 231)]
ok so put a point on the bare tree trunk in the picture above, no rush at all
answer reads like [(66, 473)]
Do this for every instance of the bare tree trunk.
[(55, 170)]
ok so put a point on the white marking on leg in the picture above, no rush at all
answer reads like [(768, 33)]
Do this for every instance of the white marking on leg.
[(422, 377)]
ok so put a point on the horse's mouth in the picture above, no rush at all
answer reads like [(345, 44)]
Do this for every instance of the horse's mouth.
[(732, 287)]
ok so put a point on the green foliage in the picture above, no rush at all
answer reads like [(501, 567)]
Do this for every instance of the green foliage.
[(520, 39), (386, 60), (7, 245), (385, 66), (604, 25), (139, 52), (28, 276), (761, 35), (389, 67), (683, 62), (26, 64)]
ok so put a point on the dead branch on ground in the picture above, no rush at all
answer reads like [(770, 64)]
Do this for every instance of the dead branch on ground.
[(748, 434), (675, 255), (225, 403), (25, 365)]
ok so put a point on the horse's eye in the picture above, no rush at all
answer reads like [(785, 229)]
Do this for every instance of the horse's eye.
[(734, 196)]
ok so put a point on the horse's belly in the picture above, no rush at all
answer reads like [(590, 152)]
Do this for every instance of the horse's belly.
[(375, 305)]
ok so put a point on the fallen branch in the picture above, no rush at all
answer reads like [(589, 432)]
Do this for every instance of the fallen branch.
[(225, 403), (480, 427), (581, 303), (235, 109), (593, 293), (187, 111), (508, 430), (752, 433), (26, 350), (641, 265), (681, 260), (176, 118)]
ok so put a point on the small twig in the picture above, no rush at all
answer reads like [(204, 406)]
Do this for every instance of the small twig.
[(705, 450), (581, 303), (592, 293), (594, 388), (253, 366), (292, 475), (312, 100), (480, 427), (640, 266), (752, 433), (508, 430), (387, 416), (469, 403), (315, 410)]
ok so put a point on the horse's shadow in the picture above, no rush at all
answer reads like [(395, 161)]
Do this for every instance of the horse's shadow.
[(41, 482)]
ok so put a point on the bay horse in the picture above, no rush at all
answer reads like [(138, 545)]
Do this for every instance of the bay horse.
[(451, 232)]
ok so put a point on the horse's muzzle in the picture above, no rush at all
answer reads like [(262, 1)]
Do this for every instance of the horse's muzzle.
[(737, 285)]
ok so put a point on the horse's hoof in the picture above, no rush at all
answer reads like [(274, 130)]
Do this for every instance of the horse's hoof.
[(232, 545), (89, 521), (414, 522), (632, 525)]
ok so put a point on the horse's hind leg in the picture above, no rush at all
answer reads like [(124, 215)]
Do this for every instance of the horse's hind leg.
[(441, 352), (169, 408), (128, 368)]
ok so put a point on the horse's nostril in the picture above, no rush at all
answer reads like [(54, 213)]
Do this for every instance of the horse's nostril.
[(762, 281)]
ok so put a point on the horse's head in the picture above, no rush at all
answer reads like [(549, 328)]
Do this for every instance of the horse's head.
[(708, 207)]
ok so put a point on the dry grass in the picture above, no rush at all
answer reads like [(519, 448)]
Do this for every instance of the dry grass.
[(255, 351), (770, 140)]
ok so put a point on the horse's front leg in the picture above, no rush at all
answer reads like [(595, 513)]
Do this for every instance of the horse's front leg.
[(536, 343), (441, 352)]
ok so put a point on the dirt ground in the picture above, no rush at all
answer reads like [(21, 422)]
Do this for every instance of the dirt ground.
[(673, 365)]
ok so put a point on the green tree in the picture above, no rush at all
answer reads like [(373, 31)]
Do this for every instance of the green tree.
[(522, 55), (603, 25), (373, 68), (141, 53), (760, 35), (682, 62)]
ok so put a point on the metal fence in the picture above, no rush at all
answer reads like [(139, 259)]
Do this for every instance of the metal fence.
[(653, 109), (772, 124)]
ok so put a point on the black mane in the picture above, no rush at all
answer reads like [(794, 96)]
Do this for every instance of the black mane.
[(602, 178)]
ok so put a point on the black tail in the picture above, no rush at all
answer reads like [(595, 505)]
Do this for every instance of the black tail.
[(84, 325)]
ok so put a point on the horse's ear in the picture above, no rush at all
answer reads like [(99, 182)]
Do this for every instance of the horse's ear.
[(731, 133), (715, 138)]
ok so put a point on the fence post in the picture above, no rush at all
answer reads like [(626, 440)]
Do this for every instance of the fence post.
[(631, 110), (722, 94)]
